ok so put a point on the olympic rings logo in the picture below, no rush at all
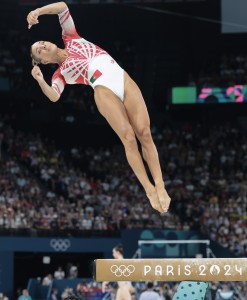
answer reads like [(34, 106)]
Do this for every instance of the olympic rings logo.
[(60, 244), (122, 270)]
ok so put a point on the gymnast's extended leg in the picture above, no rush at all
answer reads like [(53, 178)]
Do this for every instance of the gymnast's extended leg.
[(112, 108), (138, 115)]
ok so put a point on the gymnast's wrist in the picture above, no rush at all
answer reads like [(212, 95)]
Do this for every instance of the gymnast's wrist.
[(41, 81)]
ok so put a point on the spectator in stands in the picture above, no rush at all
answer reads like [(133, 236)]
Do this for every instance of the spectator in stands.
[(166, 290), (72, 271), (59, 273), (47, 280), (225, 293), (150, 294), (3, 297), (68, 291), (54, 294), (24, 295), (82, 289)]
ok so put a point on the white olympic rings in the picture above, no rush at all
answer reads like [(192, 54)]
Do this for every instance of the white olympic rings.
[(122, 270), (60, 244)]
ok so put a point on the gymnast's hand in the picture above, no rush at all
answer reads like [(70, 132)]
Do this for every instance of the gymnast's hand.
[(37, 74), (32, 18)]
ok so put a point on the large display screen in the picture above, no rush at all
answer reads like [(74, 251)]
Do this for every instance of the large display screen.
[(233, 16), (192, 95)]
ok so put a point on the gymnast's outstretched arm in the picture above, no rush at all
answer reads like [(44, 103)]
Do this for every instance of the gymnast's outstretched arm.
[(50, 9)]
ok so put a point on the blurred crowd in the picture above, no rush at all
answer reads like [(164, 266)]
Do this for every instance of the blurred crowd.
[(41, 189), (44, 187), (87, 289), (147, 290), (228, 69)]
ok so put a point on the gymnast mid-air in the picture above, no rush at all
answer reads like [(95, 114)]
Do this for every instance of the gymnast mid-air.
[(117, 96)]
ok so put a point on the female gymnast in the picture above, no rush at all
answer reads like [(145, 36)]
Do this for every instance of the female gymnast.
[(117, 96), (125, 288)]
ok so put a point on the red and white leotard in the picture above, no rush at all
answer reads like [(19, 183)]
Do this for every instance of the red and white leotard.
[(81, 52)]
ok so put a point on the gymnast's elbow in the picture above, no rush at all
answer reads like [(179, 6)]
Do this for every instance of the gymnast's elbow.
[(54, 97), (64, 6)]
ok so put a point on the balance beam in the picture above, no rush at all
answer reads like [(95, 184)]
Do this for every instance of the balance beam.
[(188, 269)]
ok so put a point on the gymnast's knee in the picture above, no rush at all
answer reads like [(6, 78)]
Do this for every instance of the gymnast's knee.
[(129, 141), (144, 135)]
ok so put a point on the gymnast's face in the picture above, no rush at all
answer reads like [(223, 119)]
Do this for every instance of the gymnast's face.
[(116, 254), (44, 51)]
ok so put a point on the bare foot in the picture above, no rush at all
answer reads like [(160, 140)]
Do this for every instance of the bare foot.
[(164, 198), (154, 200)]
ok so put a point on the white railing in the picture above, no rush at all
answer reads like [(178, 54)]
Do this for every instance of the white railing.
[(156, 242)]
